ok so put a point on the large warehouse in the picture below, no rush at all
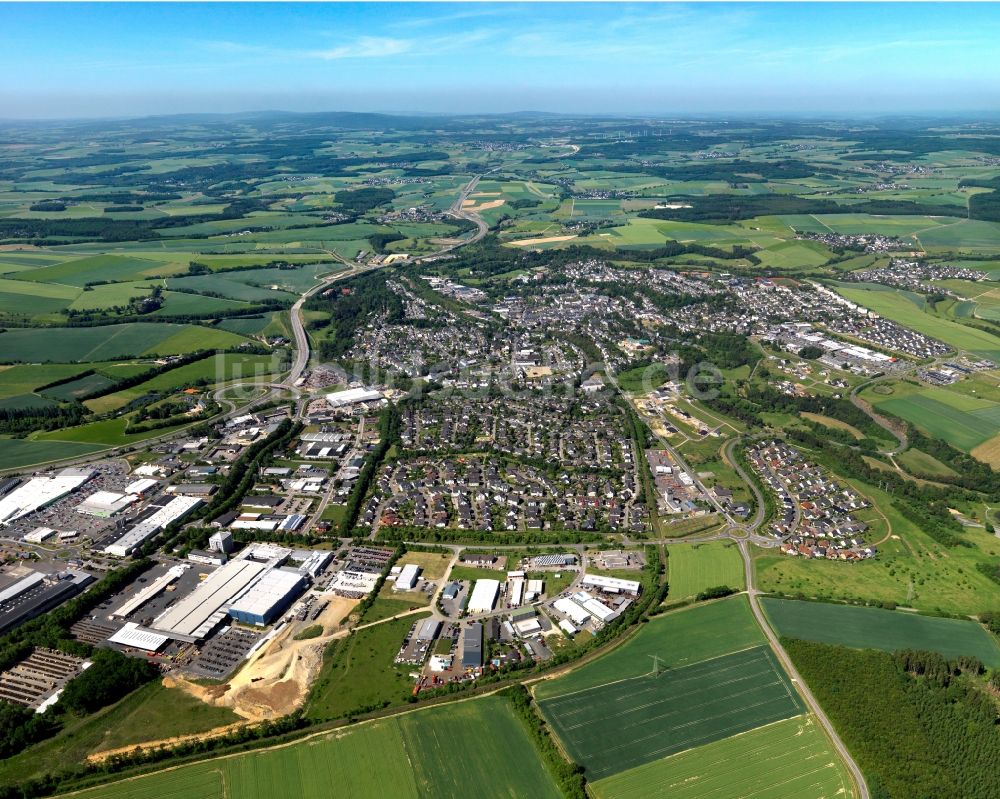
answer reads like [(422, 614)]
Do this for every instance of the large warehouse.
[(176, 508), (352, 396), (484, 596), (194, 616), (268, 598), (39, 492), (37, 593), (105, 504)]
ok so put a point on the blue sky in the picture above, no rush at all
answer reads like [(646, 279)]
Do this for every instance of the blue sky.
[(134, 59)]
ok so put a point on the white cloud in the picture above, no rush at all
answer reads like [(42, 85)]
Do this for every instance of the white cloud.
[(364, 47)]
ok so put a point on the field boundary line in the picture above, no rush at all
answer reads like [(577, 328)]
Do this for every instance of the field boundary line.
[(762, 645)]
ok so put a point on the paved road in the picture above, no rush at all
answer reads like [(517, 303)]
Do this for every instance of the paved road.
[(800, 684)]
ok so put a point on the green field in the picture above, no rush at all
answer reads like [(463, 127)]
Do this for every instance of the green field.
[(93, 269), (934, 411), (35, 345), (153, 712), (436, 752), (678, 639), (19, 452), (895, 306), (695, 567), (625, 723), (874, 628), (789, 759), (78, 388), (360, 672)]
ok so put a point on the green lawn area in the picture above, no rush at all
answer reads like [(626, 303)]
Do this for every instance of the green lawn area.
[(439, 752), (874, 628), (678, 639), (150, 713), (360, 671), (109, 432), (790, 759), (694, 567)]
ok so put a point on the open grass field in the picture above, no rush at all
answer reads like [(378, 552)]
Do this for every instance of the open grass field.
[(620, 725), (874, 628), (789, 759), (152, 712), (893, 305), (95, 268), (38, 345), (19, 452), (75, 389), (361, 671), (695, 567), (25, 378), (829, 421), (679, 639), (919, 462), (964, 422), (435, 752)]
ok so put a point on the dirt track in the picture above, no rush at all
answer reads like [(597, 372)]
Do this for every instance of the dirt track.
[(272, 684)]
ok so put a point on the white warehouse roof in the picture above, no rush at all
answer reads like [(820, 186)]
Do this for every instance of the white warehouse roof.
[(192, 617), (610, 584), (176, 509), (351, 396), (484, 595), (138, 638), (105, 503), (141, 486), (569, 608), (39, 492)]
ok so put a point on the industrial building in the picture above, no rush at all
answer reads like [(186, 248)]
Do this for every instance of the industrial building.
[(572, 610), (37, 593), (221, 542), (148, 592), (352, 396), (194, 616), (132, 636), (406, 580), (40, 492), (39, 535), (472, 645), (428, 629), (610, 585), (484, 596), (174, 510), (105, 504), (141, 486), (267, 598)]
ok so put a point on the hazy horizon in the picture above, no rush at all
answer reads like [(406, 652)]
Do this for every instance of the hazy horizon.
[(134, 60)]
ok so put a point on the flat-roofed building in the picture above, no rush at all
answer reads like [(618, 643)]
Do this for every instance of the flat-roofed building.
[(610, 585), (406, 580), (174, 510), (40, 492), (194, 616), (472, 646), (484, 596), (267, 598), (105, 504)]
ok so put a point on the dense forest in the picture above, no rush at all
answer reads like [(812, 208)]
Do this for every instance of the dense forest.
[(918, 725)]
